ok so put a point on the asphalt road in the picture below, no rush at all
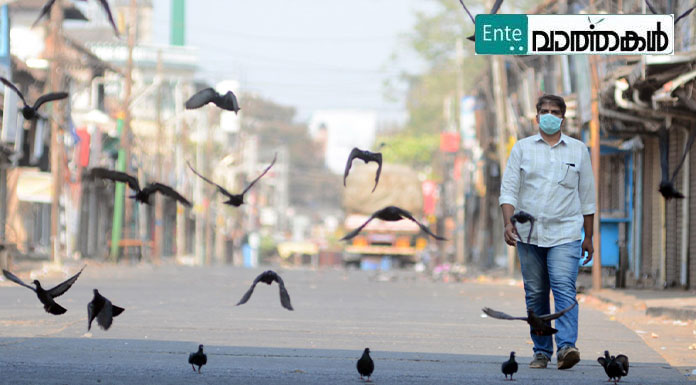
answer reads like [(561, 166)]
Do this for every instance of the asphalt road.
[(419, 332)]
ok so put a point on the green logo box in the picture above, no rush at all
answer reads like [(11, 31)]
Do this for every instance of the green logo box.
[(501, 34)]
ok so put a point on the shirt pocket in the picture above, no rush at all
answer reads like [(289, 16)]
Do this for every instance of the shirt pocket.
[(569, 175)]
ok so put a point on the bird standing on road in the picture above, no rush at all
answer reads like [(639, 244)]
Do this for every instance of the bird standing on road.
[(46, 296), (198, 358), (32, 112), (510, 366), (540, 324), (365, 365), (366, 156), (235, 200), (391, 214), (103, 310), (615, 367), (268, 277), (141, 195), (49, 4), (523, 217), (227, 101)]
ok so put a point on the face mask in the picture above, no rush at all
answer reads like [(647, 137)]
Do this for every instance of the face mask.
[(549, 123)]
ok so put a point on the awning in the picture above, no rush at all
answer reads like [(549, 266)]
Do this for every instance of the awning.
[(34, 186)]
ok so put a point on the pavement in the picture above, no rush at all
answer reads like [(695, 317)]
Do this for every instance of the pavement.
[(419, 331)]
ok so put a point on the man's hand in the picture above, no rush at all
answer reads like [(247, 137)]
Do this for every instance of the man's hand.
[(587, 246), (511, 235)]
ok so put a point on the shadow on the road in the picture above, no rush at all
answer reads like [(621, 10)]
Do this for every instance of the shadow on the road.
[(117, 361)]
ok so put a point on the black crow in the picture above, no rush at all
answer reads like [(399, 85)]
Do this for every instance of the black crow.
[(31, 112), (103, 310), (366, 156), (666, 187), (198, 358), (494, 10), (268, 277), (510, 366), (392, 214), (46, 296), (227, 101), (523, 217), (540, 324), (141, 195), (615, 367), (235, 200), (686, 13), (365, 365), (49, 4)]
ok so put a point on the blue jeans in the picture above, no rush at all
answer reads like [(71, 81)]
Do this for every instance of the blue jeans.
[(551, 268)]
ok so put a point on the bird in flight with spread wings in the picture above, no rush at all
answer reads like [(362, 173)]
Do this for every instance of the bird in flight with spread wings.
[(538, 323), (46, 296), (141, 195)]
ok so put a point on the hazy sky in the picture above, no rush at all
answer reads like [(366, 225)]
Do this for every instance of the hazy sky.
[(311, 54)]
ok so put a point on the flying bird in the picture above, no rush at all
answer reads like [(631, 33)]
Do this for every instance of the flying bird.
[(141, 195), (391, 214), (365, 365), (366, 156), (667, 188), (523, 217), (494, 10), (235, 200), (103, 310), (227, 101), (198, 358), (509, 367), (268, 277), (686, 13), (615, 367), (46, 10), (538, 323), (46, 296), (32, 112)]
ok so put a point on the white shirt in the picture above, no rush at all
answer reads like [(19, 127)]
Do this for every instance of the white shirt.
[(555, 184)]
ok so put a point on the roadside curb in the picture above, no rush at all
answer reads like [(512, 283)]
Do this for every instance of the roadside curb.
[(620, 299)]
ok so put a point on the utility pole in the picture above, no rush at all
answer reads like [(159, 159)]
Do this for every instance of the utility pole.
[(53, 46), (460, 197), (159, 203), (594, 143), (127, 118), (500, 93)]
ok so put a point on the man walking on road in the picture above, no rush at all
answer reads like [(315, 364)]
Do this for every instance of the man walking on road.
[(549, 175)]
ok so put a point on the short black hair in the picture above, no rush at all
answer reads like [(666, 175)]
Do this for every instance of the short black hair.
[(553, 99)]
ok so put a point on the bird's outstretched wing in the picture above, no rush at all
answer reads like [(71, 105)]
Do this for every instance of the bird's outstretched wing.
[(109, 16), (220, 188), (689, 143), (408, 215), (118, 176), (49, 98), (378, 159), (65, 285), (249, 292), (166, 190), (496, 7), (355, 152), (45, 10), (201, 98), (358, 229), (105, 316), (262, 174), (553, 316), (650, 7), (602, 361), (623, 360), (467, 11), (500, 315), (683, 15), (284, 296), (15, 279), (227, 102), (14, 88)]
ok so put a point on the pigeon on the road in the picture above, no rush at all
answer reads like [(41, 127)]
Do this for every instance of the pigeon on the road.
[(46, 296), (103, 310), (615, 367), (365, 365), (32, 112), (235, 200), (391, 214), (141, 195), (538, 323), (268, 277), (366, 156), (510, 366), (198, 358), (523, 217), (227, 101)]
